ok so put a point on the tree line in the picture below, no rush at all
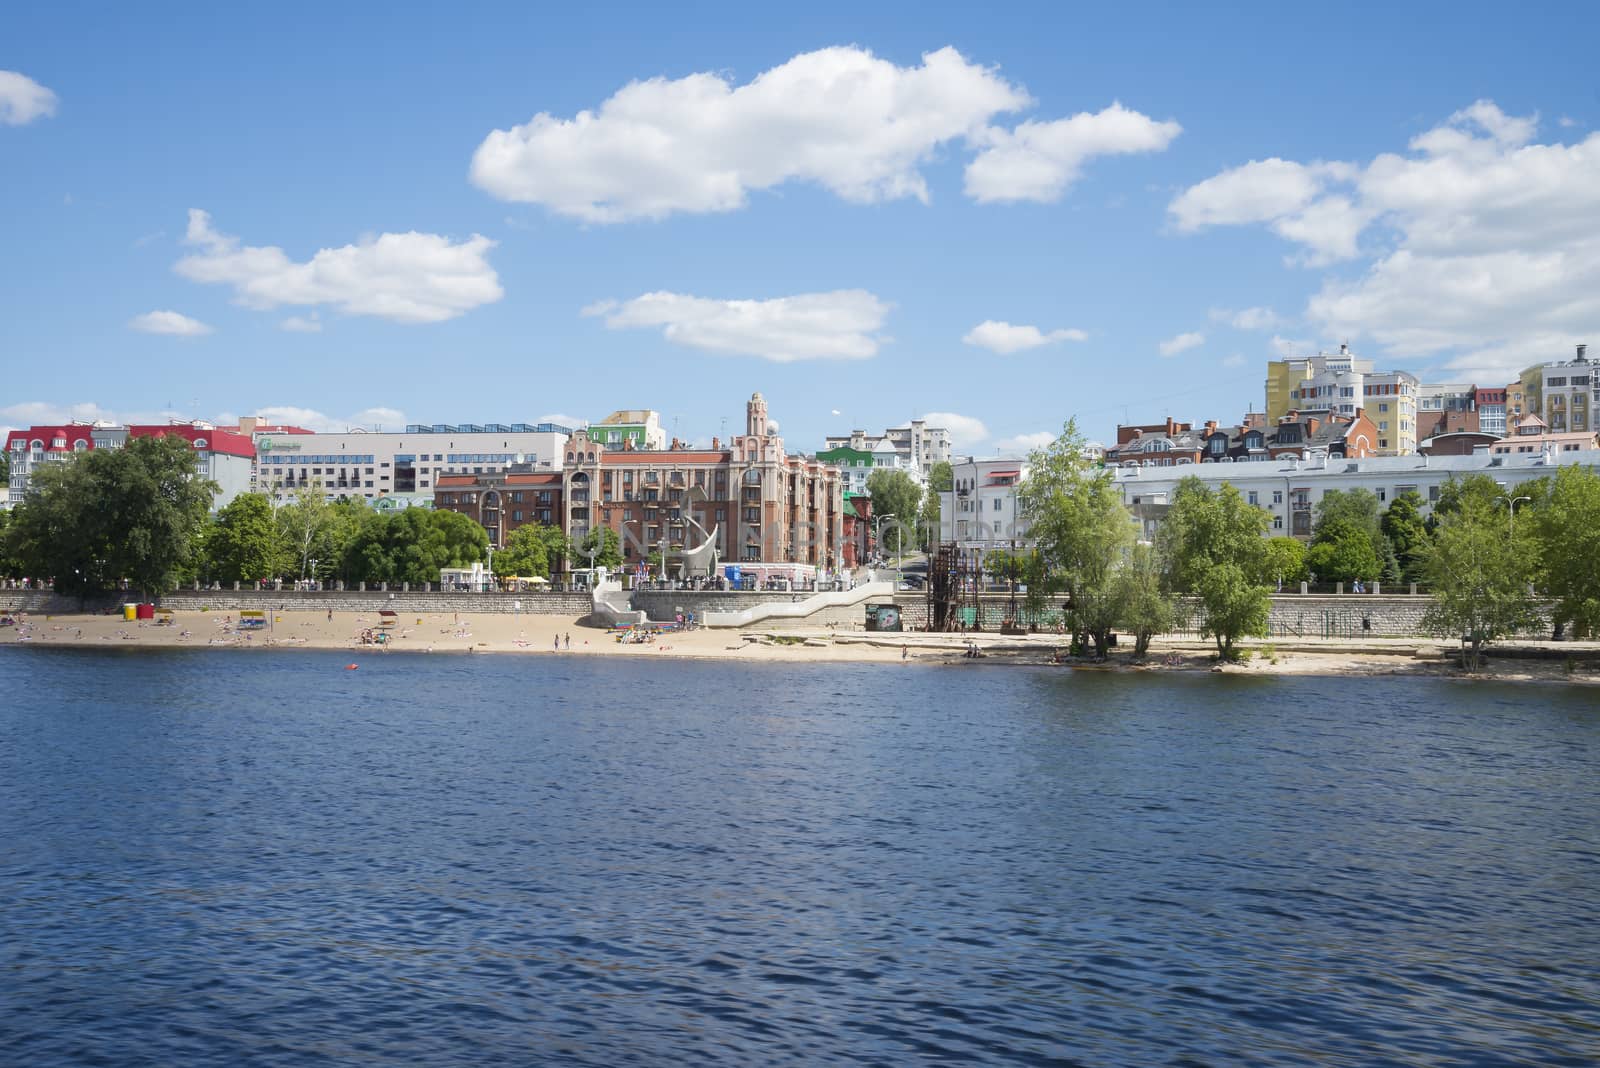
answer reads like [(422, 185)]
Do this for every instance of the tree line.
[(1487, 555), (139, 518)]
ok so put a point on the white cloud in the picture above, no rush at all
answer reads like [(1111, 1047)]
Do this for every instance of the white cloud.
[(1025, 443), (1236, 360), (562, 419), (1258, 191), (1481, 245), (1567, 122), (406, 278), (302, 324), (1004, 338), (842, 118), (168, 322), (1039, 160), (22, 99), (1290, 346), (965, 431), (841, 325), (1246, 318), (1182, 343)]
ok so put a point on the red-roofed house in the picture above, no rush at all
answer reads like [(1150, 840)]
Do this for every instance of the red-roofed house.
[(224, 457)]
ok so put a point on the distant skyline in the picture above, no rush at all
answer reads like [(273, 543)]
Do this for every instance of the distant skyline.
[(990, 218)]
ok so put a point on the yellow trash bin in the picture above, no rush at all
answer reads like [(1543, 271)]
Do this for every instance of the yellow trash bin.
[(130, 611)]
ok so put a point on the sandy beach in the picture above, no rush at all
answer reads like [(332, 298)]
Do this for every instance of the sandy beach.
[(359, 634)]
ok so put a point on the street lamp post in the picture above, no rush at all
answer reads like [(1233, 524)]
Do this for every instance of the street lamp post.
[(877, 530), (1511, 517)]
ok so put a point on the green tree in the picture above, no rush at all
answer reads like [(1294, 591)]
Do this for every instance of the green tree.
[(1213, 548), (895, 493), (1565, 525), (531, 551), (941, 477), (243, 542), (412, 545), (5, 468), (137, 514), (1076, 517), (1478, 574), (1407, 533), (9, 567), (1459, 493), (301, 525), (1145, 607), (1285, 561), (1341, 551), (601, 547)]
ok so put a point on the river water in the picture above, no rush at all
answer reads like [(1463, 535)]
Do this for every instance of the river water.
[(214, 858)]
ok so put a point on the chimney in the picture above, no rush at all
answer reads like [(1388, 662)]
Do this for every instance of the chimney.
[(716, 443), (1583, 352), (1344, 348), (1172, 426), (1311, 425), (1211, 425)]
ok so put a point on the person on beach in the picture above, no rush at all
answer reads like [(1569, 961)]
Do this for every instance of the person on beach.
[(330, 615), (905, 651), (569, 639), (558, 643)]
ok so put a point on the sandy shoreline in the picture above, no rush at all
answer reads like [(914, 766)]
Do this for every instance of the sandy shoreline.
[(449, 632)]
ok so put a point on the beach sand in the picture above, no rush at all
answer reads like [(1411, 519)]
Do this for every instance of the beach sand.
[(540, 635)]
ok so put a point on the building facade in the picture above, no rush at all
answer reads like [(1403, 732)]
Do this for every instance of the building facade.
[(223, 457), (983, 511), (502, 501), (1568, 394), (1339, 383), (755, 503), (913, 448), (1288, 490), (374, 465)]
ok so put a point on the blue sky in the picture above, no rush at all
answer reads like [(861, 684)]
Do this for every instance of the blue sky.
[(830, 228)]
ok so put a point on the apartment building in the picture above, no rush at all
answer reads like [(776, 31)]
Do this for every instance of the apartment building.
[(983, 511), (1569, 394), (502, 501), (913, 448), (374, 465), (1339, 383), (223, 457), (638, 428)]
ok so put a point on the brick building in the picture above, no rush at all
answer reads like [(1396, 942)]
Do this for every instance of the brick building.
[(502, 501), (758, 504)]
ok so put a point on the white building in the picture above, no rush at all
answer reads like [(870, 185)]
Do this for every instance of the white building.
[(1290, 489), (1570, 394), (915, 447), (373, 465), (982, 511)]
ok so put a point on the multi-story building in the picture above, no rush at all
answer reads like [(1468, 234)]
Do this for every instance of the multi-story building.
[(1529, 434), (502, 501), (636, 428), (913, 448), (374, 465), (755, 503), (1295, 433), (1288, 490), (1569, 393), (221, 456), (1340, 383), (1491, 405), (983, 512)]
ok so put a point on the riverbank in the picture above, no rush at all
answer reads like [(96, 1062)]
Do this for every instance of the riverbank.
[(365, 635)]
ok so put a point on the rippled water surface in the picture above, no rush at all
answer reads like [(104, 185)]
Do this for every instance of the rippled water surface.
[(216, 859)]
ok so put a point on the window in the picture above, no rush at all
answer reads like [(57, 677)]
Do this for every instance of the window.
[(1277, 522), (1381, 496), (997, 504), (1433, 493), (1277, 496), (1254, 497), (1383, 407), (1383, 443)]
